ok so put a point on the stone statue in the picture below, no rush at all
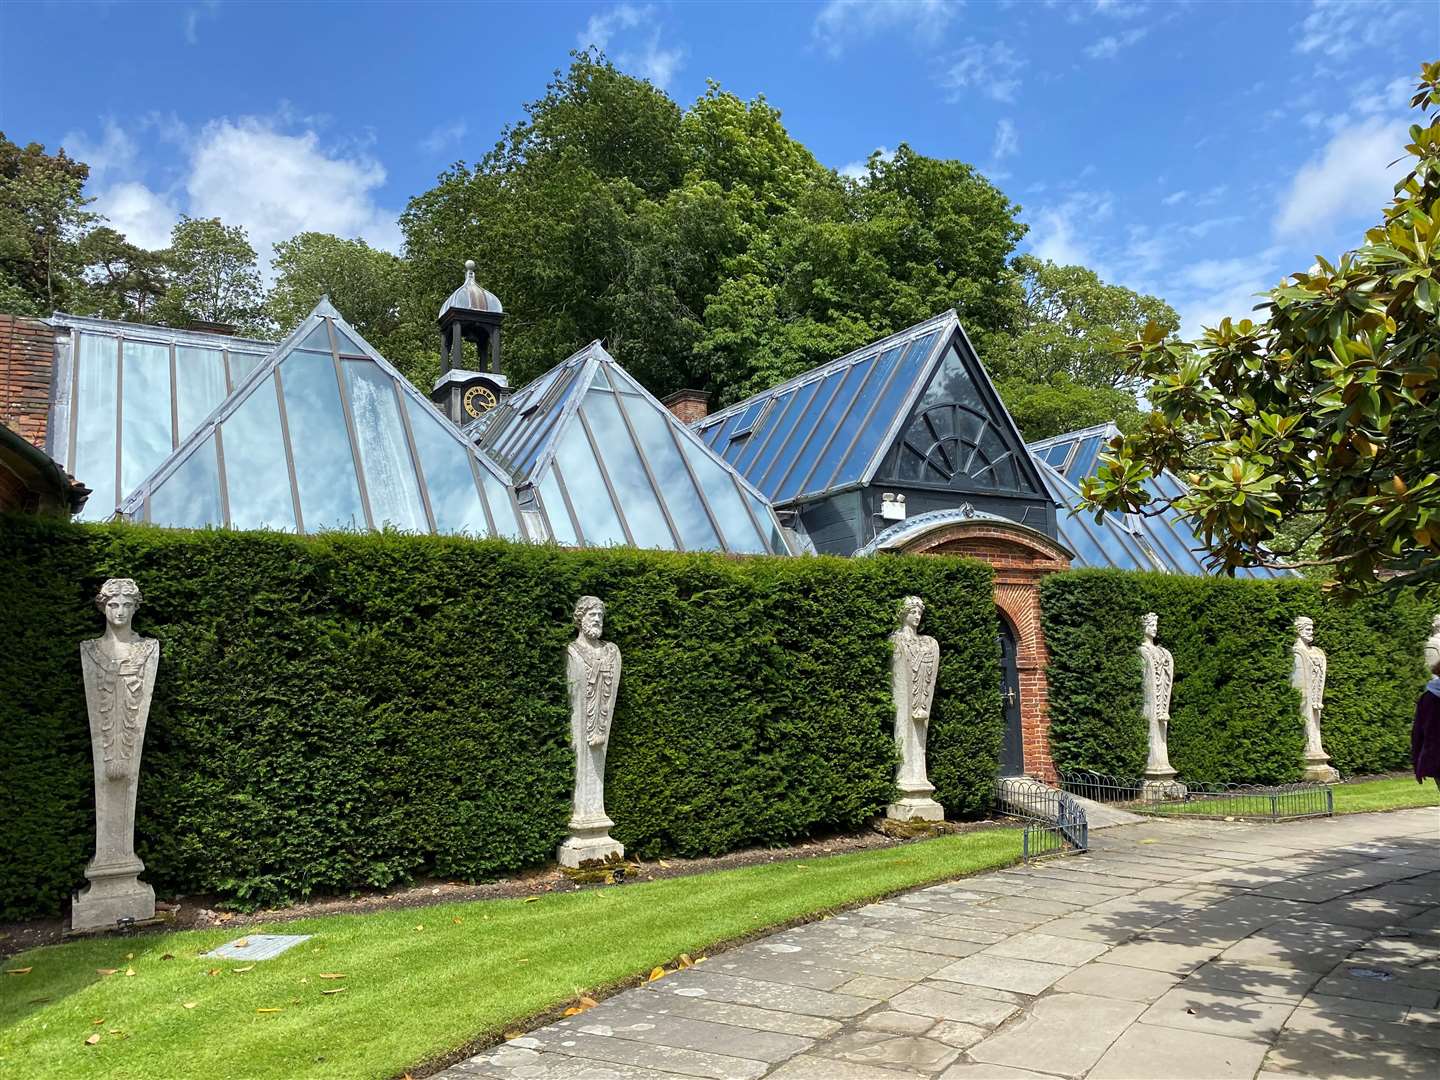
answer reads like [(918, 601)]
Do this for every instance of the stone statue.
[(1308, 676), (913, 666), (1157, 681), (1432, 645), (592, 669), (119, 670)]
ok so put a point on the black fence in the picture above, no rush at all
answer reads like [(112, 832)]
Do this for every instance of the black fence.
[(1184, 798), (1054, 822)]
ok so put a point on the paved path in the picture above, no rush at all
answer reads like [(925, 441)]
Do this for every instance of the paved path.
[(1200, 950)]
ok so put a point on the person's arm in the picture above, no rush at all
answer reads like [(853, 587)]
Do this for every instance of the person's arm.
[(1417, 736)]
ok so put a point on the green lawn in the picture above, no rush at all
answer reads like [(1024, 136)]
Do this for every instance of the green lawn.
[(1393, 794), (417, 983)]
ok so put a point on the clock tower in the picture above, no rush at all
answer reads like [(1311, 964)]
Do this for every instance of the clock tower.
[(470, 382)]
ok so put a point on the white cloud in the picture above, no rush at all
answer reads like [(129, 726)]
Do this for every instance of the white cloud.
[(858, 170), (1110, 45), (649, 58), (442, 136), (1007, 140), (1214, 289), (1175, 197), (991, 69), (1337, 28), (1118, 9), (193, 13), (142, 215), (841, 21), (1056, 231), (1351, 177), (113, 156)]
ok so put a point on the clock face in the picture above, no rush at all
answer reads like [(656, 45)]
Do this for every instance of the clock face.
[(478, 400)]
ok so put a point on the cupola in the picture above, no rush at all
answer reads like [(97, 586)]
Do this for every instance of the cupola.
[(470, 382)]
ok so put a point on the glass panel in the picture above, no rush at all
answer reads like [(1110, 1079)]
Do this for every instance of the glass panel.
[(812, 429), (453, 495), (724, 499), (691, 520), (1055, 455), (586, 486), (1085, 461), (189, 498), (765, 442), (242, 364), (145, 435), (507, 523), (256, 476), (561, 527), (347, 343), (857, 390), (318, 340), (768, 468), (637, 498), (324, 464), (199, 385), (766, 517), (95, 425), (886, 397), (384, 455)]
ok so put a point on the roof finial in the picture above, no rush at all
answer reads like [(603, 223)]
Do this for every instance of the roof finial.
[(469, 269)]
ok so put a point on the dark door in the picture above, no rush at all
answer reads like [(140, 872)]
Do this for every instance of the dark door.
[(1012, 752)]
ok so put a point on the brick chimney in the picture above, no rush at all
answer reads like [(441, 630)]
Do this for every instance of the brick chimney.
[(688, 405), (27, 363)]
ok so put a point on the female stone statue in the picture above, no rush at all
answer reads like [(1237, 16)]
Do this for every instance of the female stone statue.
[(915, 659), (119, 670), (1157, 681), (592, 669), (1308, 676)]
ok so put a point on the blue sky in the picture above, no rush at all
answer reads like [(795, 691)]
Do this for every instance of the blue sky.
[(1199, 151)]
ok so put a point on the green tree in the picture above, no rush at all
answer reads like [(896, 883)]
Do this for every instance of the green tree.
[(121, 281), (363, 283), (42, 220), (1327, 409), (213, 277)]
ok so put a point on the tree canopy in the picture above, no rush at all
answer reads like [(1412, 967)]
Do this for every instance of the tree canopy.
[(1323, 411)]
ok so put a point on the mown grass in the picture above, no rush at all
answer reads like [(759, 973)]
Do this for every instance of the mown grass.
[(417, 983), (1396, 793)]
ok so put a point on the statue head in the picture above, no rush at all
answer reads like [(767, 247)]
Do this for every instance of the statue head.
[(590, 616), (1150, 625), (1435, 624), (117, 600), (912, 610), (1305, 628)]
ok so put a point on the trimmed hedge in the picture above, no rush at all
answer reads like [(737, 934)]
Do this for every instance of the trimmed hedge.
[(1234, 716), (347, 711)]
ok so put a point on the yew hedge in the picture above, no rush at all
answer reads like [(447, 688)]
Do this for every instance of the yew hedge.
[(1234, 716), (350, 711)]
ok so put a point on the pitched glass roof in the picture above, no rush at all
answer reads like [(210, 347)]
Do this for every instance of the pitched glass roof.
[(828, 428), (129, 394), (611, 465), (1165, 541), (324, 434)]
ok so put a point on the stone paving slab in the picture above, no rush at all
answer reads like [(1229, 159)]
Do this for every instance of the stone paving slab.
[(1173, 950)]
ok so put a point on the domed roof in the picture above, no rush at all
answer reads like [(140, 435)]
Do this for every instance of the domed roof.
[(470, 296)]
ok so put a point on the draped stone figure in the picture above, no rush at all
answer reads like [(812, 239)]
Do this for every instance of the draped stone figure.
[(119, 671), (1157, 682), (1432, 645), (914, 661), (592, 669), (1308, 676)]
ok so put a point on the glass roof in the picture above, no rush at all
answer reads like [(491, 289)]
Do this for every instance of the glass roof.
[(324, 434), (611, 465), (828, 428), (129, 394), (1165, 541)]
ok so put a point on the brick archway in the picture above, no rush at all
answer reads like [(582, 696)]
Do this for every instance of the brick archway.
[(1021, 557)]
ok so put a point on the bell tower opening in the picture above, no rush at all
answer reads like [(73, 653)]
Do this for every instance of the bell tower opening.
[(471, 382)]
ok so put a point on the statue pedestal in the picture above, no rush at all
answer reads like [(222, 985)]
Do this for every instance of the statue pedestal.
[(915, 804), (589, 844), (1319, 771), (115, 892), (1161, 785)]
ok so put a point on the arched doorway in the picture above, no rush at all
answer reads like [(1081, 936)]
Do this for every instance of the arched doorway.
[(1012, 743)]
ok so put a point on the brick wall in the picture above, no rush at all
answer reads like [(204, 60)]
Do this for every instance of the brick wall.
[(1021, 558), (688, 405), (27, 359)]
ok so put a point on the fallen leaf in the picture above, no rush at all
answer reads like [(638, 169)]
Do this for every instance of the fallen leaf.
[(93, 1039), (657, 973), (335, 990), (18, 971), (243, 943), (168, 956), (531, 899), (129, 956), (225, 916), (191, 1004), (98, 1020), (420, 927), (664, 864), (267, 1010), (304, 981), (685, 960), (700, 959), (116, 1031), (523, 960), (332, 975), (238, 970), (572, 1012), (588, 1002), (129, 972), (213, 971), (514, 1035), (456, 920)]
